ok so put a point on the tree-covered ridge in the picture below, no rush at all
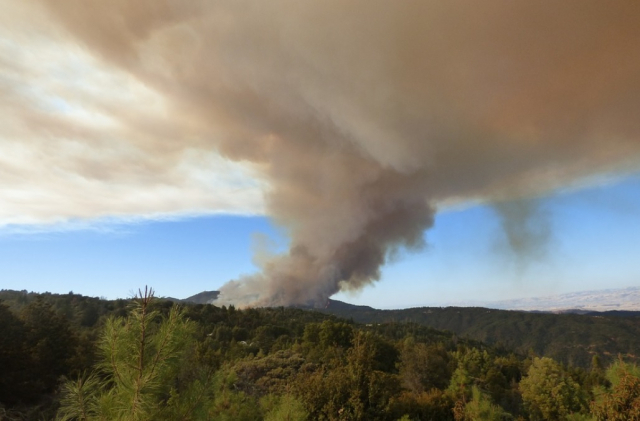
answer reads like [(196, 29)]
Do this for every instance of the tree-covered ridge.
[(148, 358), (570, 338)]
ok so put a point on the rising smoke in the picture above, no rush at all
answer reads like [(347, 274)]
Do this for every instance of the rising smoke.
[(362, 116)]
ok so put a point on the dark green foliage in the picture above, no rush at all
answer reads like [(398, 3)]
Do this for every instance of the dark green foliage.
[(37, 346), (283, 408), (335, 334), (287, 363), (138, 373), (268, 374), (569, 338), (50, 343), (76, 309), (13, 358), (424, 367), (480, 407), (228, 404), (434, 404)]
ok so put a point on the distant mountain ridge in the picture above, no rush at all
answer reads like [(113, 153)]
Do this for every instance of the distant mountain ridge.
[(570, 338), (204, 297), (621, 299)]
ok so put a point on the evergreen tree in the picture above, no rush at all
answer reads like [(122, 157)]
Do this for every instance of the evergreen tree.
[(12, 357), (137, 377), (50, 344)]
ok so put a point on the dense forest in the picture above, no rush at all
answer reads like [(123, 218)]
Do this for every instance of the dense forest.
[(572, 339), (71, 357)]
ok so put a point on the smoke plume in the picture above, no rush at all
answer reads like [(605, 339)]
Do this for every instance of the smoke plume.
[(527, 228), (363, 116)]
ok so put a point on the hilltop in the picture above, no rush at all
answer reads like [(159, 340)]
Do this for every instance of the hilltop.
[(571, 333)]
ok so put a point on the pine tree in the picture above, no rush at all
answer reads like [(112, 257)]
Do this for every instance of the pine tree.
[(137, 377)]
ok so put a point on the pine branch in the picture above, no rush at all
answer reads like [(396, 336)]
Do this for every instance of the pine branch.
[(170, 329), (111, 342), (144, 303), (200, 397)]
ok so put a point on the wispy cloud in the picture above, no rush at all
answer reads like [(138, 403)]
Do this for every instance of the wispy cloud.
[(81, 139), (359, 117)]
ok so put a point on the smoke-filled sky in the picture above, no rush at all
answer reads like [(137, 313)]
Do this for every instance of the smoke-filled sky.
[(353, 125)]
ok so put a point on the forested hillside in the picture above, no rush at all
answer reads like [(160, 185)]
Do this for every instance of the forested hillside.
[(79, 358), (570, 338)]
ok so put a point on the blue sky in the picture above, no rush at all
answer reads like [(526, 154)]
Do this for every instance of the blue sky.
[(151, 156), (594, 245)]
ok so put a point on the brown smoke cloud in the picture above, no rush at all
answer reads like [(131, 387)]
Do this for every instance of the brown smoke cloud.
[(527, 228), (363, 115)]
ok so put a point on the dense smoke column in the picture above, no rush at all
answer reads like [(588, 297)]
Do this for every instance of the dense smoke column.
[(360, 116), (345, 213)]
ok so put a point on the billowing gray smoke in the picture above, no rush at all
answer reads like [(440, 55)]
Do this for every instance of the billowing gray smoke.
[(363, 115)]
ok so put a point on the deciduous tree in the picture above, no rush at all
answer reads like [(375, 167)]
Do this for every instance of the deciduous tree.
[(549, 392)]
